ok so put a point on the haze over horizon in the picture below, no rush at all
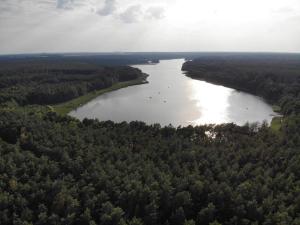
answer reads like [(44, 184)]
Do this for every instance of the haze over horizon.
[(31, 26)]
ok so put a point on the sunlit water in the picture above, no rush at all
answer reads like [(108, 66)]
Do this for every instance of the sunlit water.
[(170, 97)]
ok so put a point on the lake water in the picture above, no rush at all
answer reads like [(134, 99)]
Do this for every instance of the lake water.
[(170, 97)]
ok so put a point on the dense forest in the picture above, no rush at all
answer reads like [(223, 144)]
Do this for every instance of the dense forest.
[(28, 82), (274, 77), (55, 169)]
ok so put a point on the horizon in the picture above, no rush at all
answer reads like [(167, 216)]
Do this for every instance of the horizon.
[(147, 52)]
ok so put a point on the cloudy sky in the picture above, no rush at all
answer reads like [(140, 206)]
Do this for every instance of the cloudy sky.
[(28, 26)]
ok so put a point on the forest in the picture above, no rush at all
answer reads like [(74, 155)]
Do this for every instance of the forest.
[(34, 82), (55, 169)]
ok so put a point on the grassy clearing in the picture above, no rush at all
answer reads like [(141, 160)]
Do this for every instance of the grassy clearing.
[(66, 107), (12, 106), (276, 123)]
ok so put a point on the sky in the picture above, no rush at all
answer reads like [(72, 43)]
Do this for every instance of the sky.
[(38, 26)]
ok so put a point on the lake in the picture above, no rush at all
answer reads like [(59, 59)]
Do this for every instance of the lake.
[(170, 97)]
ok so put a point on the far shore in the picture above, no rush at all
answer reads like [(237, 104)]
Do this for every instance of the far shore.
[(66, 107)]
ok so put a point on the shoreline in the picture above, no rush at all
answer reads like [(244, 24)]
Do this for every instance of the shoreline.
[(276, 121), (66, 107)]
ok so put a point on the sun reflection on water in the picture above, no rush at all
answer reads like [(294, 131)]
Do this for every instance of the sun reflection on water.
[(211, 102)]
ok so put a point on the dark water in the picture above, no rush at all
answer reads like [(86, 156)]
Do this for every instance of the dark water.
[(172, 98)]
